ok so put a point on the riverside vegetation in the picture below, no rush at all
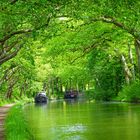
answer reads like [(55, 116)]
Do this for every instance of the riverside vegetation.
[(16, 125)]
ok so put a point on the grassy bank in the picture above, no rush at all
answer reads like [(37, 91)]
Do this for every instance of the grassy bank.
[(22, 100), (16, 127), (130, 93)]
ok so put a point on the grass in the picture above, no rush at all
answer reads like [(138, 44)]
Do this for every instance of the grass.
[(4, 102), (22, 100), (16, 127)]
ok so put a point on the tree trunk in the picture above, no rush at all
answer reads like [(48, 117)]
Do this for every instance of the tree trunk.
[(9, 93), (88, 85), (52, 86), (48, 88), (67, 86), (21, 91), (77, 86), (61, 89), (127, 72), (83, 86), (44, 86), (97, 82), (137, 47), (57, 84), (70, 86), (131, 61), (10, 89)]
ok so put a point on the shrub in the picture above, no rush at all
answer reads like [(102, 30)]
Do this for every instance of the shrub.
[(101, 94), (130, 92)]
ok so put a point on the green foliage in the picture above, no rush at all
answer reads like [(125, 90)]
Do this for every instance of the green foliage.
[(20, 72), (130, 92), (102, 94), (107, 72), (89, 94), (16, 126), (4, 102), (73, 45)]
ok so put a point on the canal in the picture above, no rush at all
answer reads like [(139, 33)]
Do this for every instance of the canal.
[(84, 120)]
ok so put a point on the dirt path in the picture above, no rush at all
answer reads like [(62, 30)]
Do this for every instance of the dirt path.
[(3, 112)]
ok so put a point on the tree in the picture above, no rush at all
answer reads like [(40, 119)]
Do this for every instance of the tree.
[(76, 33)]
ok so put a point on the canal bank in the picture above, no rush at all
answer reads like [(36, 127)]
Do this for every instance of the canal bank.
[(3, 112), (15, 124)]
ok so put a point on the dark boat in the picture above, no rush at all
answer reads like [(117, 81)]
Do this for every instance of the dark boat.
[(41, 98), (71, 94)]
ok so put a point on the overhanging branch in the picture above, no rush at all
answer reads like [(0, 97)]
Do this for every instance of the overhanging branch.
[(13, 34), (7, 49), (85, 51), (116, 23), (9, 56), (13, 1), (7, 37)]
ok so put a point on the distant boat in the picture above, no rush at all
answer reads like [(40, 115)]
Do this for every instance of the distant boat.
[(41, 98), (71, 94)]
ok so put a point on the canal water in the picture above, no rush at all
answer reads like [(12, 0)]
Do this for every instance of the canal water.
[(84, 120)]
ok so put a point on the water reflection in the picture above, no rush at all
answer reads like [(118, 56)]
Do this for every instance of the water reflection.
[(71, 101), (83, 120)]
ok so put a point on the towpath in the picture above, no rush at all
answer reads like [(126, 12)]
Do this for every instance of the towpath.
[(3, 111)]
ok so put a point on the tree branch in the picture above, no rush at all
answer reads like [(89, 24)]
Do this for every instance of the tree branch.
[(13, 34), (13, 1), (8, 74), (2, 41), (116, 23), (7, 49), (85, 51), (9, 56), (100, 40)]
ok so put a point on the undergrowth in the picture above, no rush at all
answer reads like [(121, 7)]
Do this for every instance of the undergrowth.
[(131, 92)]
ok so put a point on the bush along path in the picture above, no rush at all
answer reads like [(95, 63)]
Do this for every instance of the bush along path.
[(3, 112)]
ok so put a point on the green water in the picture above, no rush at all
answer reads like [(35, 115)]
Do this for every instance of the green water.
[(83, 120)]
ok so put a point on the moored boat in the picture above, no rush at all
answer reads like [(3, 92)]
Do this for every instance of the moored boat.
[(71, 94), (41, 98)]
